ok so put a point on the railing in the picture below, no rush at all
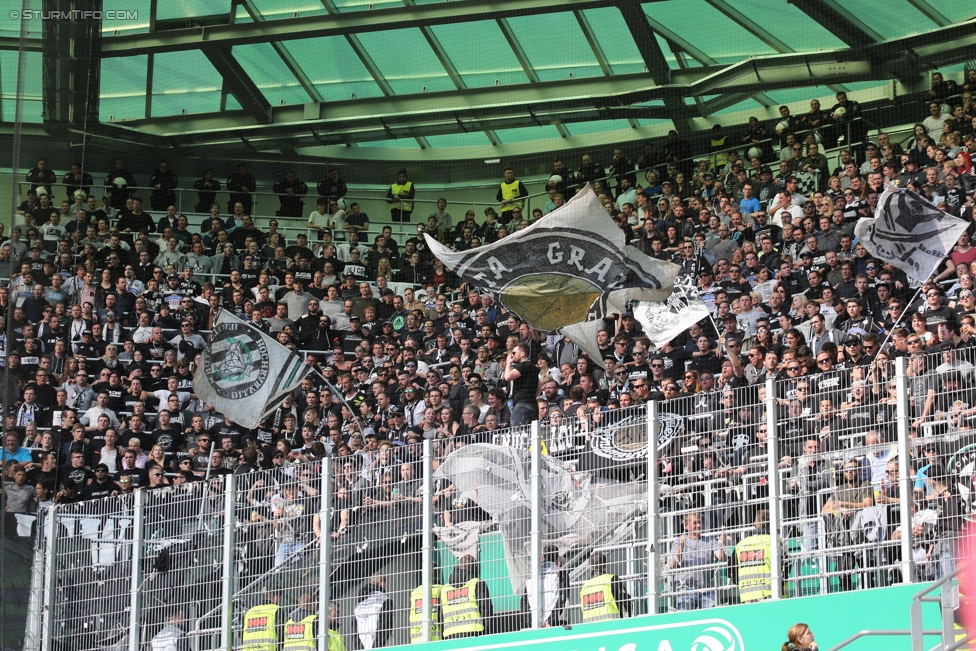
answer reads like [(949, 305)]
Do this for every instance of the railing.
[(830, 471), (266, 203)]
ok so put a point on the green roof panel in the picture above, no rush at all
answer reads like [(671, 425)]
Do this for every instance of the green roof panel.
[(473, 139), (270, 74), (123, 88), (333, 68), (899, 18), (955, 10), (527, 134), (184, 82), (709, 31), (480, 54), (277, 10), (790, 25), (130, 17), (614, 38), (174, 9), (596, 126), (554, 46), (406, 61)]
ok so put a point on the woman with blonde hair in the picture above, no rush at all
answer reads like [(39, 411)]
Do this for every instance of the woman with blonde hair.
[(383, 268), (157, 457)]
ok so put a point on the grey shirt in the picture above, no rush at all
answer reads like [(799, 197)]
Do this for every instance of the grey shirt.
[(698, 552), (19, 499)]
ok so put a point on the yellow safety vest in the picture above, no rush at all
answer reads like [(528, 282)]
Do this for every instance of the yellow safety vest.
[(596, 599), (753, 555), (417, 614), (720, 159), (299, 636), (336, 643), (459, 610), (399, 204), (259, 629), (511, 191)]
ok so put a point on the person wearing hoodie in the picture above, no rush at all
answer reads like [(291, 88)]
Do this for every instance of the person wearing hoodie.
[(466, 608)]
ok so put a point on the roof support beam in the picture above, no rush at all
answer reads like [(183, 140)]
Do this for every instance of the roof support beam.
[(336, 24), (654, 60), (13, 43), (931, 12), (527, 66), (839, 21), (238, 82), (446, 63), (594, 43), (762, 34), (574, 100), (643, 35), (282, 50)]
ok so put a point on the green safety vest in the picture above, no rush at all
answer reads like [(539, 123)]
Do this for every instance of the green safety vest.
[(459, 610), (511, 191), (596, 599), (753, 555), (417, 614), (259, 629), (399, 204)]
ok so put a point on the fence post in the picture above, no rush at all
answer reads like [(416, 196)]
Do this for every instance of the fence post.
[(427, 579), (227, 589), (50, 578), (135, 600), (904, 480), (325, 553), (653, 497), (535, 530), (772, 465)]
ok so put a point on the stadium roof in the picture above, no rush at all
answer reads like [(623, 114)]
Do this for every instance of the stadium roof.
[(307, 75)]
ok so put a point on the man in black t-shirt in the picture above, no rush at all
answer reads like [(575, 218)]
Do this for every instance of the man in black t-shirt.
[(166, 436), (525, 385)]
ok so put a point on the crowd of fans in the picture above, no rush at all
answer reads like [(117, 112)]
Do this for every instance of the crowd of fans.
[(109, 307)]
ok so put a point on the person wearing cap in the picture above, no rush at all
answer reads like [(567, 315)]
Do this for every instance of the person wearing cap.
[(399, 197)]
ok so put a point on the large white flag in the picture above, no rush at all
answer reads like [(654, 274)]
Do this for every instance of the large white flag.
[(551, 273), (243, 370), (663, 321), (910, 232)]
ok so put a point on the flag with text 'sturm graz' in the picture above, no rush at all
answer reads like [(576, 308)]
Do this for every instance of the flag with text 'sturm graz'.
[(242, 371), (910, 232), (553, 271)]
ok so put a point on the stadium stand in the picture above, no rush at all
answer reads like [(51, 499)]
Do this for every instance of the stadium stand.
[(112, 304)]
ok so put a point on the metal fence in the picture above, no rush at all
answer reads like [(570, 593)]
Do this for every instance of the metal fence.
[(831, 464)]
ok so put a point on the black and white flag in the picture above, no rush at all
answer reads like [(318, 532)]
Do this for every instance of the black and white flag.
[(243, 371), (551, 273), (665, 320), (910, 232)]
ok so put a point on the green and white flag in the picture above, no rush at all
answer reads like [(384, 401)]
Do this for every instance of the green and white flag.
[(242, 371)]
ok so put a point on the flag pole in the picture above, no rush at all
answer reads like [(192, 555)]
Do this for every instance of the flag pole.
[(335, 391), (917, 292)]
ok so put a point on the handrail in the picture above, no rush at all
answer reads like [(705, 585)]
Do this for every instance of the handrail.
[(881, 631), (948, 577)]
